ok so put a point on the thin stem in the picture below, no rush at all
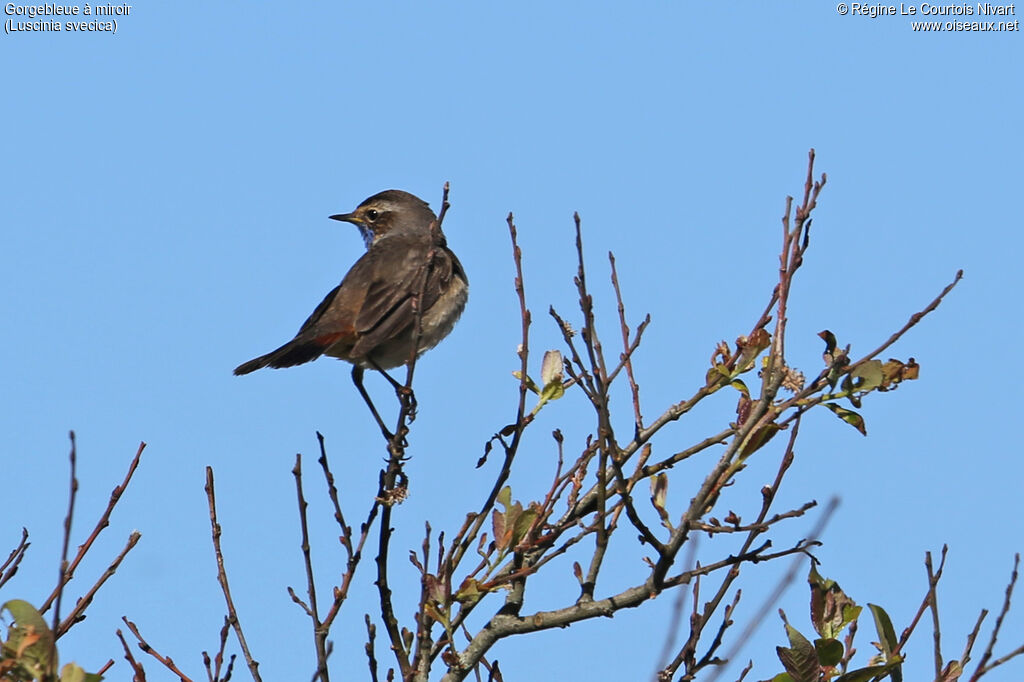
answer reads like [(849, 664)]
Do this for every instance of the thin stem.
[(222, 578)]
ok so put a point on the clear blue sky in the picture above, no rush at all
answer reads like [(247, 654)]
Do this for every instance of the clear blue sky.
[(165, 195)]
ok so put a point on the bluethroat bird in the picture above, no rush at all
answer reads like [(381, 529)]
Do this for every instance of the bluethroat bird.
[(369, 319)]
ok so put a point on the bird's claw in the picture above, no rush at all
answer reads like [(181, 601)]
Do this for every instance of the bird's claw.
[(407, 399)]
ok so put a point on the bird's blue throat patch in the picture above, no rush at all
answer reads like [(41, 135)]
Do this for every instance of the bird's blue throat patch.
[(367, 235)]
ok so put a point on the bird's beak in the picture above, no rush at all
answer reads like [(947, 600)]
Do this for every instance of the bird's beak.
[(347, 218)]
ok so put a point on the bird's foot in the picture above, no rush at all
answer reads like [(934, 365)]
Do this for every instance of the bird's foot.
[(407, 399)]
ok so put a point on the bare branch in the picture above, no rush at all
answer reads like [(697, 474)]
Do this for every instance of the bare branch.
[(371, 636), (64, 576), (319, 631), (933, 581), (78, 613), (10, 566), (103, 522), (166, 661), (222, 578), (914, 319), (983, 665)]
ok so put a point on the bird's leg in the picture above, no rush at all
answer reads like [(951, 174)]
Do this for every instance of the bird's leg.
[(357, 379), (405, 395)]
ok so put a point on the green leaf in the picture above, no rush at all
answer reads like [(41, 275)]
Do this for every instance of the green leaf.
[(522, 524), (952, 672), (848, 416), (870, 375), (551, 368), (866, 674), (529, 382), (435, 614), (759, 439), (505, 497), (886, 632), (831, 609), (659, 496), (718, 375), (887, 639), (25, 615), (501, 534), (73, 673), (30, 638), (800, 660), (470, 592), (659, 490), (749, 348), (830, 651), (740, 386), (552, 391), (551, 379), (782, 677)]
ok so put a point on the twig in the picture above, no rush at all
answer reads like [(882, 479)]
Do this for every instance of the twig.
[(388, 479), (371, 635), (319, 632), (599, 389), (626, 358), (983, 665), (625, 494), (76, 614), (139, 673), (914, 319), (10, 566), (64, 577), (354, 553), (218, 659), (933, 603), (222, 577), (933, 581), (167, 661), (467, 536), (971, 638), (743, 673), (103, 522), (787, 579), (747, 552), (677, 613)]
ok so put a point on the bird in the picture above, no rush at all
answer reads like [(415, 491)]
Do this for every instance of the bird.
[(370, 318)]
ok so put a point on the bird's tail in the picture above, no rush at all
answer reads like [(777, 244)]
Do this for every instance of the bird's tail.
[(253, 365), (295, 352)]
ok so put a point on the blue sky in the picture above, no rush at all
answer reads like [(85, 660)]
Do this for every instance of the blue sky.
[(166, 192)]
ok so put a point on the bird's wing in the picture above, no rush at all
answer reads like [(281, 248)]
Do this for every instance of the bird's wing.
[(372, 305), (318, 313), (387, 309)]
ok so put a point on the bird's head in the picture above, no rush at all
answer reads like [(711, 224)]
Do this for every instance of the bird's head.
[(389, 212)]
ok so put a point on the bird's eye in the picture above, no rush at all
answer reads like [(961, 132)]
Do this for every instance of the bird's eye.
[(373, 214)]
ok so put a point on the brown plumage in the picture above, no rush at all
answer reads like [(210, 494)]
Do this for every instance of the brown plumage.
[(369, 319)]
